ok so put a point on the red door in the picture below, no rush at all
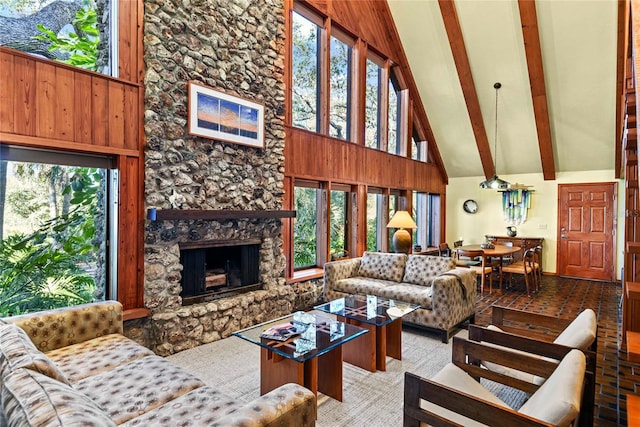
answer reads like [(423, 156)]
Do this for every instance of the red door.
[(586, 230)]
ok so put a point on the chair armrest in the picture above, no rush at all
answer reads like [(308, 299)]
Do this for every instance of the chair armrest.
[(535, 325), (417, 388), (287, 405), (53, 329)]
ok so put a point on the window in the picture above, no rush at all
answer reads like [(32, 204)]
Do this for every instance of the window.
[(305, 230), (394, 205), (373, 103), (76, 33), (58, 214), (305, 73), (376, 205), (419, 147), (421, 216), (339, 221), (341, 50), (393, 138), (433, 229)]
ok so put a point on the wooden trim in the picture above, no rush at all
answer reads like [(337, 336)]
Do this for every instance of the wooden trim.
[(135, 313), (459, 52), (531, 36), (621, 68), (34, 141), (210, 214)]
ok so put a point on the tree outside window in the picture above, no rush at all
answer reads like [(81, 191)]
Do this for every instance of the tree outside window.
[(305, 227), (338, 226), (305, 73), (372, 105), (340, 89)]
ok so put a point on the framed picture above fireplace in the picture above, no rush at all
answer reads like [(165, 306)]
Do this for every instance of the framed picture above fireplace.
[(217, 115)]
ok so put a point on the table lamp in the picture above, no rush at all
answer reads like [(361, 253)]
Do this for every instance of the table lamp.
[(401, 238)]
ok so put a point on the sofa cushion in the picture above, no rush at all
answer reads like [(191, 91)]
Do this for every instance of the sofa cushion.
[(137, 387), (32, 399), (200, 407), (17, 351), (378, 265), (362, 285), (91, 357), (581, 332), (557, 401), (407, 292), (422, 269)]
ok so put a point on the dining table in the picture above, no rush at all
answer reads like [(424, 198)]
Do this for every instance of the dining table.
[(497, 251)]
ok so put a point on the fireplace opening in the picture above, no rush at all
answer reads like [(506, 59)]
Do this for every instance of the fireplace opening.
[(215, 269)]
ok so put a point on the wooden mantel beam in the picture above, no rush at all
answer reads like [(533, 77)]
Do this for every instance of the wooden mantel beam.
[(531, 36)]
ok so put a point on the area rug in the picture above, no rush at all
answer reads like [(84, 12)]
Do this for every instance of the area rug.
[(369, 399)]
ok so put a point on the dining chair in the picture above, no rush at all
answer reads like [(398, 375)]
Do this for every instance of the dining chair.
[(525, 268), (444, 249), (478, 262), (537, 264)]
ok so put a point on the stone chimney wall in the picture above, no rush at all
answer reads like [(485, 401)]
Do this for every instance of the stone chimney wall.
[(237, 47)]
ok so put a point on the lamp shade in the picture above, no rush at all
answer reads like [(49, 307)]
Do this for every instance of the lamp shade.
[(402, 219)]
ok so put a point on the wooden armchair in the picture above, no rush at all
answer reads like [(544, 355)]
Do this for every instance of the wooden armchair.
[(454, 397), (547, 337)]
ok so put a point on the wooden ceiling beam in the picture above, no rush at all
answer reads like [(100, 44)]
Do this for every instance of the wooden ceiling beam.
[(533, 51), (459, 51)]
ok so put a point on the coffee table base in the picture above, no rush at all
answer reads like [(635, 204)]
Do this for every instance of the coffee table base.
[(276, 370), (370, 351)]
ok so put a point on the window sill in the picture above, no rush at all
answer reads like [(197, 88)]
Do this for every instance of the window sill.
[(135, 313), (308, 274)]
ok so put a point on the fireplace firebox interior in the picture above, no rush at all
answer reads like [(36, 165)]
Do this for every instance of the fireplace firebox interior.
[(218, 268)]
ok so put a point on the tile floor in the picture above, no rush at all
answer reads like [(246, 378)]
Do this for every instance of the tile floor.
[(615, 377)]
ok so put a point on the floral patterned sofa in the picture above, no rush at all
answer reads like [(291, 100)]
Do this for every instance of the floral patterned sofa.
[(446, 294), (73, 366)]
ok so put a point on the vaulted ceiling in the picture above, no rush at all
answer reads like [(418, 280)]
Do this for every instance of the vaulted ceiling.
[(556, 61)]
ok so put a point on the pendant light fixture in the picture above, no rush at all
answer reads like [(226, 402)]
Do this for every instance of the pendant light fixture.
[(495, 183)]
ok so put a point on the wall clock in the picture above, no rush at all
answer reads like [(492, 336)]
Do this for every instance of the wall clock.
[(470, 206)]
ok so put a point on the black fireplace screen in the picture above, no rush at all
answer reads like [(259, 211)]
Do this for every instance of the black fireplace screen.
[(217, 269)]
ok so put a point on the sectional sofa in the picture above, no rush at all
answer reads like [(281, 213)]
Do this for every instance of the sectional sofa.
[(73, 366), (446, 294)]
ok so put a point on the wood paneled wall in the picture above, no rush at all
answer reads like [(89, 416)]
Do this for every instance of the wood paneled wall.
[(51, 105), (317, 157)]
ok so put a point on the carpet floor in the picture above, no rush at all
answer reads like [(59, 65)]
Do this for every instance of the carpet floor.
[(369, 399)]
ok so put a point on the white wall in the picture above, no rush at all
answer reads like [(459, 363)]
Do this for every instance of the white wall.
[(542, 219)]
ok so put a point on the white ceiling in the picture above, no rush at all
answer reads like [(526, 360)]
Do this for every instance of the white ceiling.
[(578, 41)]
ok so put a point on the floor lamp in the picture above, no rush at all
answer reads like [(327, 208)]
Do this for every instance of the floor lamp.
[(402, 238)]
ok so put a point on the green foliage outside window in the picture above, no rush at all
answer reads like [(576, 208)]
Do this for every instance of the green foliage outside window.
[(51, 266), (304, 229), (83, 47)]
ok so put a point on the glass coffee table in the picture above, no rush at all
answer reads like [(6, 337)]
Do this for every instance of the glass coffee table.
[(315, 347), (382, 317)]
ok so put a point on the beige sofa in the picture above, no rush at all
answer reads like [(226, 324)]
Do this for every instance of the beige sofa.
[(446, 294), (73, 366)]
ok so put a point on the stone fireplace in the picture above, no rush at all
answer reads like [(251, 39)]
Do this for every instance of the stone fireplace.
[(236, 47)]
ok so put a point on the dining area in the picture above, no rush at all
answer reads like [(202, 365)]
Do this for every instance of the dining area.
[(502, 262)]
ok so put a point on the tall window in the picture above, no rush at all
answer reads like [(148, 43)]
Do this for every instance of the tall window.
[(57, 215), (393, 143), (305, 73), (340, 86), (76, 33), (305, 229), (421, 216), (376, 220), (394, 205), (373, 104), (338, 221)]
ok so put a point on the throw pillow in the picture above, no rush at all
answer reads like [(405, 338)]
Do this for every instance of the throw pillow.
[(422, 269), (33, 399), (378, 265), (17, 351)]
